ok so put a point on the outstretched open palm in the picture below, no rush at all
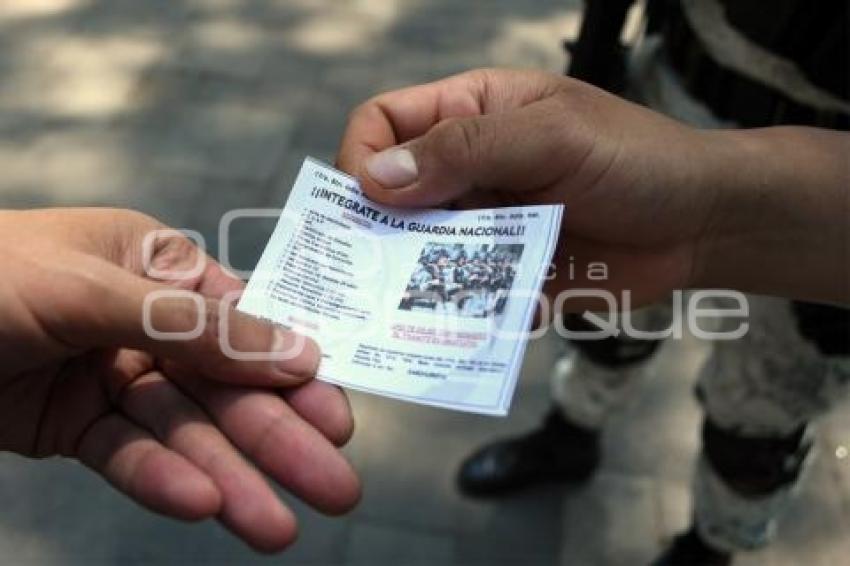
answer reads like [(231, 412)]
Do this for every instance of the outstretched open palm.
[(176, 425)]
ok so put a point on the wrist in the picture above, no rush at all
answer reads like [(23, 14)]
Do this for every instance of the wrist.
[(779, 214)]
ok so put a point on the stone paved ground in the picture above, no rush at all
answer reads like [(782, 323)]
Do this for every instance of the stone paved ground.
[(189, 108)]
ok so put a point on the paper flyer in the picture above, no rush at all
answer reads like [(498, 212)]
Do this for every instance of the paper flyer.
[(426, 306)]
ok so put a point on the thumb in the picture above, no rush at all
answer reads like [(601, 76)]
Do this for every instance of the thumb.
[(516, 151), (118, 309)]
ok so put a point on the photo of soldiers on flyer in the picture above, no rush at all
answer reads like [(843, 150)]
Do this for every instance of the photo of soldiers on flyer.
[(462, 279)]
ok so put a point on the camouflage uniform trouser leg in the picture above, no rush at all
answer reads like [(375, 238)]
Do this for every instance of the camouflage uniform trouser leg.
[(761, 394), (596, 377)]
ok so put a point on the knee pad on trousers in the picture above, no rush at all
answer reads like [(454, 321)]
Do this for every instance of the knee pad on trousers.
[(754, 466), (612, 352)]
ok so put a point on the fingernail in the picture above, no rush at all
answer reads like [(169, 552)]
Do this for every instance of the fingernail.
[(393, 168), (300, 355)]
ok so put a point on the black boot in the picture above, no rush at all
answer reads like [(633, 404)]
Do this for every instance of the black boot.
[(688, 549), (560, 451)]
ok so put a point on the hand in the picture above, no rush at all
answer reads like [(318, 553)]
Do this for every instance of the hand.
[(664, 206), (501, 138), (172, 424)]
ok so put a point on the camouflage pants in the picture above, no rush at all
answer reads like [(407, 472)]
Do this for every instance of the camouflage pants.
[(761, 394)]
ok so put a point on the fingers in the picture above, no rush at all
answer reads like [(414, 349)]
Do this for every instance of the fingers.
[(240, 337), (520, 151), (264, 428), (427, 145), (157, 478), (325, 407), (396, 117), (101, 305), (167, 255), (230, 346), (322, 405), (218, 283), (248, 506), (399, 116)]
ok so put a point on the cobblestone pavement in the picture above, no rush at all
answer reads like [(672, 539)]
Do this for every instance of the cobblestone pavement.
[(186, 109)]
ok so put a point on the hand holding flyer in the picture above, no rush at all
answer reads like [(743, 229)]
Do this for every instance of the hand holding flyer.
[(427, 306)]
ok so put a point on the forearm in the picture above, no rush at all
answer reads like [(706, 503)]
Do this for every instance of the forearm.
[(780, 220)]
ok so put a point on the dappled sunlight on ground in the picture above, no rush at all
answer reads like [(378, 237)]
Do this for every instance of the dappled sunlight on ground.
[(19, 10), (93, 91)]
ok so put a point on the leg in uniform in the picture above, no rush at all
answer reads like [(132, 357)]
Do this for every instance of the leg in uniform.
[(589, 382), (762, 395)]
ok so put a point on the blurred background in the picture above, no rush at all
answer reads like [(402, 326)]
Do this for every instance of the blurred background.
[(186, 109)]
